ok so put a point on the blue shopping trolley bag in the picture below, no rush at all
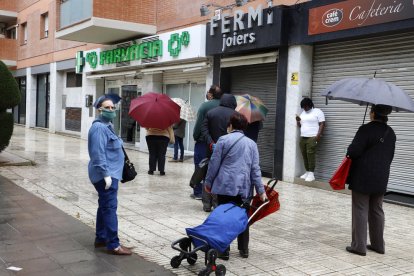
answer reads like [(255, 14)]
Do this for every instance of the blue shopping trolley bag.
[(221, 227)]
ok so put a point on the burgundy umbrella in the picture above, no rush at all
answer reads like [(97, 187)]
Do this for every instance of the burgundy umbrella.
[(154, 110)]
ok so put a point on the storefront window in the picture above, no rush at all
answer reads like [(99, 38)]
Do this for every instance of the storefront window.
[(19, 111), (129, 127), (195, 95)]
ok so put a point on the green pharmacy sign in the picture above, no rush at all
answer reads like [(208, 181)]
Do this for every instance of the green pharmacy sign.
[(143, 50)]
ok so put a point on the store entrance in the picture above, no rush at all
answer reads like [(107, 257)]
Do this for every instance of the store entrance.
[(129, 128)]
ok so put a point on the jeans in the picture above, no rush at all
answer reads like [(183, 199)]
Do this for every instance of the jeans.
[(178, 143), (157, 147), (200, 152), (106, 218)]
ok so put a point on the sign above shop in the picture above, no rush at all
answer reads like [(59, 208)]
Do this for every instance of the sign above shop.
[(356, 13), (258, 28), (165, 47)]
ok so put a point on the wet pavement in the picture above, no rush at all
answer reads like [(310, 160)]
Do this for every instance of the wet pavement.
[(307, 236)]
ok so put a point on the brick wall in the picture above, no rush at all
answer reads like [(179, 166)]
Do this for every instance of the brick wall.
[(43, 50), (137, 11), (8, 5), (8, 49)]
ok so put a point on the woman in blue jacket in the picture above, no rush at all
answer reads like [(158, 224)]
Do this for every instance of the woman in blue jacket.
[(233, 171), (105, 170)]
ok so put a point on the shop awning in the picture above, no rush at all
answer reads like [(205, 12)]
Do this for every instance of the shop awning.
[(249, 59)]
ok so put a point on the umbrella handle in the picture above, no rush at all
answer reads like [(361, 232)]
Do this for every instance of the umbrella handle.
[(274, 184), (366, 108)]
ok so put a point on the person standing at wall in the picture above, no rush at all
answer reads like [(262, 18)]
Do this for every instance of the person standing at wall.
[(105, 171), (312, 123), (179, 134), (371, 151), (200, 147), (157, 141)]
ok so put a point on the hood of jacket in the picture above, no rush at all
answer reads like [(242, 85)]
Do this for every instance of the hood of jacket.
[(228, 100)]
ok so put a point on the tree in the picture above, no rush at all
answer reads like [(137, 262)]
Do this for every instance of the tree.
[(9, 98)]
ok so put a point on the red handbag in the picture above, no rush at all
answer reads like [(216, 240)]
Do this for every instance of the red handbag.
[(338, 179)]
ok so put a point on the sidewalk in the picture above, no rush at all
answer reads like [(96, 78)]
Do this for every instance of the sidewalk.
[(42, 240), (307, 236)]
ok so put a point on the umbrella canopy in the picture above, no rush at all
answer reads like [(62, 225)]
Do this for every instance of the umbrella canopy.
[(187, 112), (365, 91), (251, 107), (260, 209), (154, 110)]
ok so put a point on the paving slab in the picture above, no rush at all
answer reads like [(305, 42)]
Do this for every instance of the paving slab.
[(307, 236), (32, 241)]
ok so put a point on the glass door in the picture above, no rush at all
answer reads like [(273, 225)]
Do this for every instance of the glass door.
[(42, 101), (194, 94), (129, 127), (117, 121)]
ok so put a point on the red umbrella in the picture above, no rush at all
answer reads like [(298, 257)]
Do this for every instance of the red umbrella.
[(260, 209), (154, 110)]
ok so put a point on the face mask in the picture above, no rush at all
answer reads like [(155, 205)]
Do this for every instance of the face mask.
[(109, 115)]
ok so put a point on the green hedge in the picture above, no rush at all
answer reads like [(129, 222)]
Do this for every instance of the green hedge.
[(6, 129), (9, 90)]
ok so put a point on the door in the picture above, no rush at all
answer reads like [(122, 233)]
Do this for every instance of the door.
[(194, 94), (129, 127), (42, 101)]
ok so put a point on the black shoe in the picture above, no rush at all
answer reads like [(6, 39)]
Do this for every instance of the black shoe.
[(207, 210), (151, 172), (224, 256), (181, 160), (350, 250), (369, 247), (162, 173), (244, 253)]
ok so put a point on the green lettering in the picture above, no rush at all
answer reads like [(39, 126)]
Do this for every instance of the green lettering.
[(143, 51), (109, 57), (125, 54), (117, 55), (133, 52), (157, 48), (102, 58)]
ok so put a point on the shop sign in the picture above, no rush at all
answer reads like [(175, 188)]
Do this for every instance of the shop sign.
[(243, 31), (356, 13), (164, 47)]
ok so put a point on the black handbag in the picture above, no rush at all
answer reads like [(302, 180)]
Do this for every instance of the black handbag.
[(128, 172), (200, 172)]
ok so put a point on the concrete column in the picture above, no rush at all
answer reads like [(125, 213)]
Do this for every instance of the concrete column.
[(210, 73), (150, 83), (300, 62), (94, 87), (31, 84), (55, 109)]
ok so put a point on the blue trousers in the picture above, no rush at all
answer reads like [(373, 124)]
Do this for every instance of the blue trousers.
[(200, 152), (178, 143), (106, 218)]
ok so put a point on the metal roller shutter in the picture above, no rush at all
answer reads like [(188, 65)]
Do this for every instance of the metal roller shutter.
[(178, 76), (260, 81), (393, 58)]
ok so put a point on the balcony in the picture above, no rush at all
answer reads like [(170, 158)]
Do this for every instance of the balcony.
[(95, 21), (8, 51)]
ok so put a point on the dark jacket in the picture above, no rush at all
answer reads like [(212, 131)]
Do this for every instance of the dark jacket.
[(217, 119), (201, 115), (179, 128), (371, 159), (253, 129)]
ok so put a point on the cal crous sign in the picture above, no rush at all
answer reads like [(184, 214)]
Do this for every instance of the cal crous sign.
[(357, 13)]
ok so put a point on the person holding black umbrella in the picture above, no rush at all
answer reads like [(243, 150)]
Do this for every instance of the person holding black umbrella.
[(371, 152)]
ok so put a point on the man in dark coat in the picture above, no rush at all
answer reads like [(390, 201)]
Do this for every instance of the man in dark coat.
[(371, 152), (214, 126)]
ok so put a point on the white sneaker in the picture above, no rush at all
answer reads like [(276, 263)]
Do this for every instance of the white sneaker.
[(303, 176), (310, 177)]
